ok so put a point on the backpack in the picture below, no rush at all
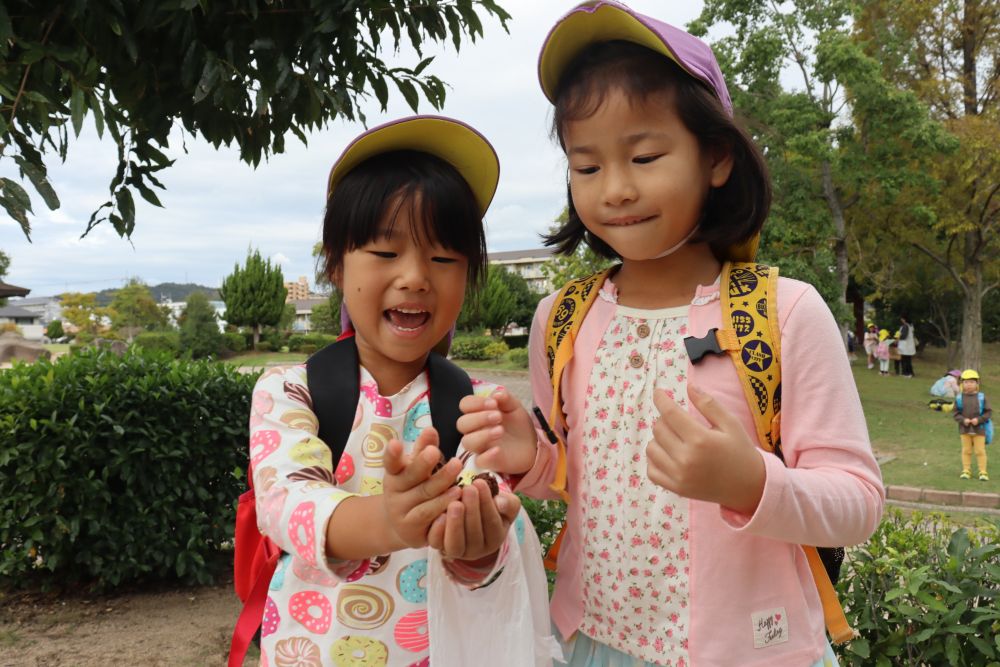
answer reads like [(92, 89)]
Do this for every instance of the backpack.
[(335, 396), (940, 404), (988, 424), (758, 362)]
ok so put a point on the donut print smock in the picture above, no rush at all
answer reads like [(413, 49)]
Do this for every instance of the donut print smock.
[(636, 551), (319, 612)]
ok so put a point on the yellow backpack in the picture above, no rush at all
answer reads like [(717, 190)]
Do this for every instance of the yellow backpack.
[(752, 340)]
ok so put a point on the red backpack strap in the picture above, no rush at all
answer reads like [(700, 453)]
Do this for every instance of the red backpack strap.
[(253, 609)]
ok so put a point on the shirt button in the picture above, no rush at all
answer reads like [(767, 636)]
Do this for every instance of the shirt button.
[(635, 360), (643, 330)]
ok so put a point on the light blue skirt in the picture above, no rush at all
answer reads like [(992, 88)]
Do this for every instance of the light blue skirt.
[(582, 651)]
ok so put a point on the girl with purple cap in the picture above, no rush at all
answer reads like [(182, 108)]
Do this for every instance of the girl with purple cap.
[(683, 534), (368, 541)]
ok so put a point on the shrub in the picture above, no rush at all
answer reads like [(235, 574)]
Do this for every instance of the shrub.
[(922, 591), (472, 348), (518, 357), (495, 349), (234, 342), (55, 330), (11, 327), (514, 342), (159, 341), (118, 469), (297, 342), (264, 346)]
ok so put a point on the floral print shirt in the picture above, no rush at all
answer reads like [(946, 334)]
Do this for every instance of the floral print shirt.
[(636, 550), (321, 612)]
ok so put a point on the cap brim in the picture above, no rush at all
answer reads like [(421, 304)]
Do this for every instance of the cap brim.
[(585, 26), (453, 141)]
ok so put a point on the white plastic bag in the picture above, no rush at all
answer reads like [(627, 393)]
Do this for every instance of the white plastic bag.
[(500, 625)]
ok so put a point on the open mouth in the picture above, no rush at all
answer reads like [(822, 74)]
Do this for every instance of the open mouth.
[(407, 319), (628, 221)]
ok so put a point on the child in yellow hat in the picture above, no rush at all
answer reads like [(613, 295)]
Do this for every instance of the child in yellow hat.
[(972, 412)]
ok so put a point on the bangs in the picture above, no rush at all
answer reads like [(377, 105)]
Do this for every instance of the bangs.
[(441, 206)]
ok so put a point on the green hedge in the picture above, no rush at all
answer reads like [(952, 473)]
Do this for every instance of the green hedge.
[(923, 591), (473, 348), (315, 340), (518, 357), (159, 341), (119, 469), (234, 341)]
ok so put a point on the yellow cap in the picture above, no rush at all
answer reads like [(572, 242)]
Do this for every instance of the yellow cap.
[(969, 374), (453, 141), (883, 334)]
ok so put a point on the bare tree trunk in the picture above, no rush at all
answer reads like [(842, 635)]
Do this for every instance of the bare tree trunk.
[(256, 336), (972, 307), (839, 240)]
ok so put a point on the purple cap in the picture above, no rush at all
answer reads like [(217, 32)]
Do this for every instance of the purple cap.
[(604, 21)]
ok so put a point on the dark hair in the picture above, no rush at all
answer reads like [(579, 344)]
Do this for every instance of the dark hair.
[(439, 200), (732, 213)]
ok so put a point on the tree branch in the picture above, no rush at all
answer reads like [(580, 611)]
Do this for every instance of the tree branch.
[(947, 267), (27, 70)]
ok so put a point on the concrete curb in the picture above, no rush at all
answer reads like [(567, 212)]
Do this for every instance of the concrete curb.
[(965, 499)]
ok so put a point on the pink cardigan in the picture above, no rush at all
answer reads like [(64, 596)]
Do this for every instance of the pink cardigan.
[(831, 493)]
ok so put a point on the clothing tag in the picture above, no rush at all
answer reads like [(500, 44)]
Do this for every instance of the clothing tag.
[(769, 627)]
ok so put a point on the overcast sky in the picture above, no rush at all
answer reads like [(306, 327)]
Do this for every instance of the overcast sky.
[(215, 206)]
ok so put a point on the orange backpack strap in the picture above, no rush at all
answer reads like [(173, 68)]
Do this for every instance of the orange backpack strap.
[(753, 340), (568, 312)]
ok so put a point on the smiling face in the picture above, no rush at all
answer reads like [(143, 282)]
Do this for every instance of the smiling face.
[(404, 292), (638, 176)]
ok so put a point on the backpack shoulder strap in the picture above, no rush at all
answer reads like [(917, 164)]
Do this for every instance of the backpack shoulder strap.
[(750, 333), (982, 402), (571, 306), (448, 385), (753, 339), (335, 392)]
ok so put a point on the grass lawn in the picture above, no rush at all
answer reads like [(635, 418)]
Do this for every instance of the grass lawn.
[(262, 359), (924, 442), (57, 348)]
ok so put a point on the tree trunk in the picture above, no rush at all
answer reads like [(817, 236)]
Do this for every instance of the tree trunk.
[(256, 336), (972, 307), (839, 240)]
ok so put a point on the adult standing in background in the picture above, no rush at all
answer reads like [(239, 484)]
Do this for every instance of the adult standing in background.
[(907, 345)]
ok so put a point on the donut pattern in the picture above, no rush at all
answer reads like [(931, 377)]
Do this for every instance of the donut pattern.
[(410, 582), (411, 632), (364, 607), (355, 651), (312, 610), (301, 531), (262, 445), (369, 613), (261, 404), (373, 447), (297, 652)]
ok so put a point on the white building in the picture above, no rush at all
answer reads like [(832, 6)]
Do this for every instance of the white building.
[(177, 307), (303, 313), (27, 321), (527, 264), (47, 308)]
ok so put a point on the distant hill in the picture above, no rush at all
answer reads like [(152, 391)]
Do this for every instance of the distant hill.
[(165, 292)]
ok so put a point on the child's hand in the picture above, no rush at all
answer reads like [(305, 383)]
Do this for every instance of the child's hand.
[(477, 525), (413, 494), (716, 464), (499, 431), (975, 421), (967, 421)]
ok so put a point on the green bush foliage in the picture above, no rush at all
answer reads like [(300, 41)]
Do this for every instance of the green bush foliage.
[(316, 340), (55, 329), (234, 342), (200, 335), (472, 348), (496, 349), (922, 591), (518, 357), (159, 341), (116, 470)]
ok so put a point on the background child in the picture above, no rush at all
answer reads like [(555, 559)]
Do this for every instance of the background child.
[(972, 416), (883, 352), (402, 237), (871, 342), (683, 536)]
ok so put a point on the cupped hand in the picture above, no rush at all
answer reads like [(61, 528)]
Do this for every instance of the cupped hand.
[(499, 431)]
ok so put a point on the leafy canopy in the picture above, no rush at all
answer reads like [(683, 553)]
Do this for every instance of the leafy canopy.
[(241, 72)]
